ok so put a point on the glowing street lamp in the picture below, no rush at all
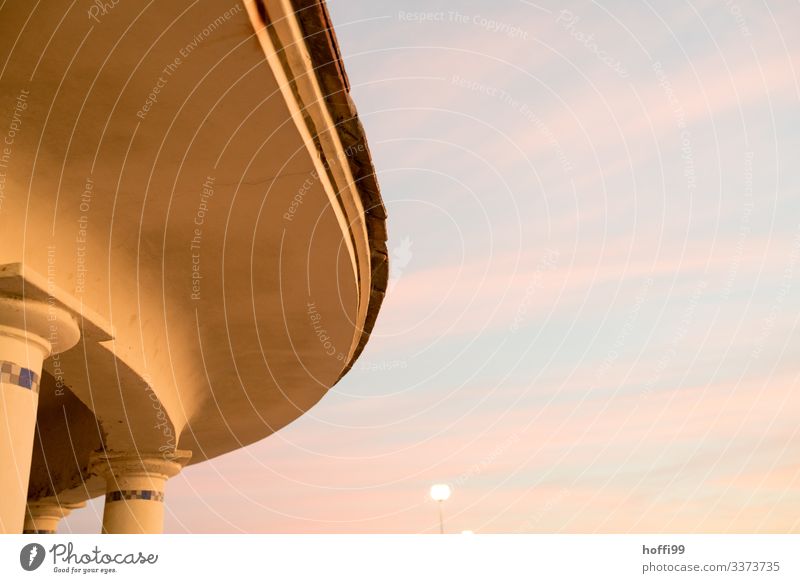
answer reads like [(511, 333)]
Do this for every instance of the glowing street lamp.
[(440, 493)]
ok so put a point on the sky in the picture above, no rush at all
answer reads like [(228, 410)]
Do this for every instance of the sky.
[(592, 321)]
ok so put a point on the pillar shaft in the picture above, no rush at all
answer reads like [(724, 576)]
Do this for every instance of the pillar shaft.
[(24, 327), (19, 397), (135, 486)]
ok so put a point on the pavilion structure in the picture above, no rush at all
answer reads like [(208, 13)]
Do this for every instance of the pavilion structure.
[(192, 243)]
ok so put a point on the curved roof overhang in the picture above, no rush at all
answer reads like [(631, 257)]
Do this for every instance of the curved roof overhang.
[(194, 177)]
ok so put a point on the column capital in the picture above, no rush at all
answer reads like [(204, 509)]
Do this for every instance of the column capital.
[(48, 327), (43, 515), (52, 506), (113, 464)]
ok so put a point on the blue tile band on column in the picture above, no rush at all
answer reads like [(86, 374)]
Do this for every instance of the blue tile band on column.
[(15, 374), (135, 495)]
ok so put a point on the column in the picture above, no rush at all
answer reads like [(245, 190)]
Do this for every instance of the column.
[(135, 489), (44, 515), (29, 332)]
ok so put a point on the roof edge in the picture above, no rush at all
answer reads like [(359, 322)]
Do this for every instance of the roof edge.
[(315, 23)]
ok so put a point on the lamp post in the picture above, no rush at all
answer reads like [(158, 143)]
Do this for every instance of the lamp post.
[(440, 493)]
